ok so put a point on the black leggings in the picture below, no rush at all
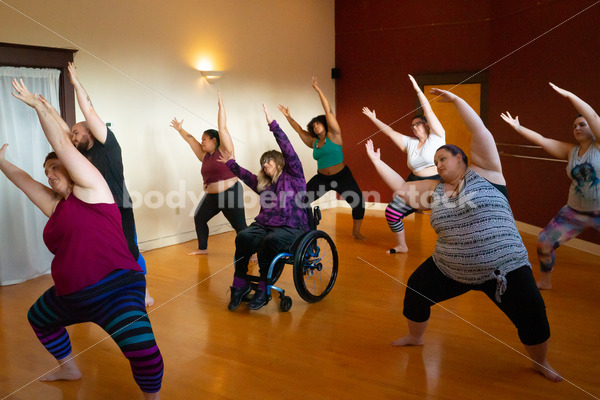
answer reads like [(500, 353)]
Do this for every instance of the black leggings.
[(230, 202), (344, 184), (128, 224), (522, 302), (266, 241)]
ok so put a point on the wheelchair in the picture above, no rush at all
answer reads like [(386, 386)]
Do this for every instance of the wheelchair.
[(315, 265)]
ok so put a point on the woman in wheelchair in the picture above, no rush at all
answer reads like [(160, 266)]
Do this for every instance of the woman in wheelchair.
[(282, 218)]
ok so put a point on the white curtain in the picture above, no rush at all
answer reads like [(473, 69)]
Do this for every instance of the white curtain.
[(23, 254)]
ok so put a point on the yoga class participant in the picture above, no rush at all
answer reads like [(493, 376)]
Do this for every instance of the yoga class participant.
[(478, 245), (583, 205), (96, 278), (429, 135)]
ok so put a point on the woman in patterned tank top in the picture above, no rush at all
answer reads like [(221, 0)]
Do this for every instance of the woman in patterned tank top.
[(583, 207), (473, 255)]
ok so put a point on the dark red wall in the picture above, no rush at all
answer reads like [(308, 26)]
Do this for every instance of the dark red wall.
[(378, 43)]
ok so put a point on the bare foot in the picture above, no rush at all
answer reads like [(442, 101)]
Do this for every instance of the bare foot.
[(548, 372), (358, 236), (149, 299), (66, 371), (398, 249), (408, 340), (197, 252), (151, 396), (545, 282), (254, 259)]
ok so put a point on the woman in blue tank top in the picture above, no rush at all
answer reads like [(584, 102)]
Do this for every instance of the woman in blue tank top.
[(324, 136), (583, 207)]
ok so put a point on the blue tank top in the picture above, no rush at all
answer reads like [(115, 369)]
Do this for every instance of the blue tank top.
[(328, 155)]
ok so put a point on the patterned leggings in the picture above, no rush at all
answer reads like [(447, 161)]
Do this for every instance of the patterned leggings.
[(566, 225), (397, 209), (116, 304)]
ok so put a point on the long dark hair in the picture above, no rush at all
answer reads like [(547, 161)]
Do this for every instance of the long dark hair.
[(213, 134), (454, 150), (319, 118)]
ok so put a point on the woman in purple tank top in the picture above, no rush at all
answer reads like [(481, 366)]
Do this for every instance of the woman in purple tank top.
[(223, 192), (96, 278)]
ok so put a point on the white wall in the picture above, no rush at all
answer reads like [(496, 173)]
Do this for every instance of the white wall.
[(137, 61)]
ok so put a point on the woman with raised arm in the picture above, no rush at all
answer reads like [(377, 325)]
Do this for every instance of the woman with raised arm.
[(583, 206), (282, 218), (324, 136), (429, 135), (223, 192), (96, 278), (478, 245)]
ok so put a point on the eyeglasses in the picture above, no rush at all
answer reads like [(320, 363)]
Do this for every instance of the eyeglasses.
[(266, 160), (417, 124)]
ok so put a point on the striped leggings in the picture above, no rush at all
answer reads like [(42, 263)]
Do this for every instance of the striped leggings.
[(116, 304), (397, 209), (395, 212)]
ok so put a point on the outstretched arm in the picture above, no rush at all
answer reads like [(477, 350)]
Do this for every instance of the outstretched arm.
[(306, 137), (246, 176), (557, 149), (411, 192), (90, 186), (54, 114), (396, 137), (224, 136), (434, 123), (42, 196), (484, 153), (332, 123), (96, 125), (194, 144), (584, 109)]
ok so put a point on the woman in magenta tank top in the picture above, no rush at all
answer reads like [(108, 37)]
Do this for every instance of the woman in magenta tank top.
[(96, 278), (223, 192)]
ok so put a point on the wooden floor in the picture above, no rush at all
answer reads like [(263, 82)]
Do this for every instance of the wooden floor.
[(336, 349)]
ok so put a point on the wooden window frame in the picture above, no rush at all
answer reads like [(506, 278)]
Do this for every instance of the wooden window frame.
[(17, 55)]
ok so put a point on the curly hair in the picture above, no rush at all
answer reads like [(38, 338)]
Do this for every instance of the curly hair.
[(319, 118)]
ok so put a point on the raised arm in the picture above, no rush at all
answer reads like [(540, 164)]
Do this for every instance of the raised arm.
[(90, 186), (96, 125), (306, 137), (396, 137), (584, 109), (224, 136), (332, 123), (485, 159), (42, 196), (194, 144), (292, 161), (555, 148), (433, 121), (411, 192), (54, 113)]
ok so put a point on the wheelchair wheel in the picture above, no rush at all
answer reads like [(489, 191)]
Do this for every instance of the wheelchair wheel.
[(315, 266), (285, 303)]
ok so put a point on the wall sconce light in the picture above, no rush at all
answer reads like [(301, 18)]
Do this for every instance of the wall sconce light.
[(212, 76)]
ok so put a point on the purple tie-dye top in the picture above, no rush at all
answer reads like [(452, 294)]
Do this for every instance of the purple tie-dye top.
[(281, 203)]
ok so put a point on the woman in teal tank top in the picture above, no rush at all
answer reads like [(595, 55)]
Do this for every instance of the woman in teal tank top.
[(324, 136)]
